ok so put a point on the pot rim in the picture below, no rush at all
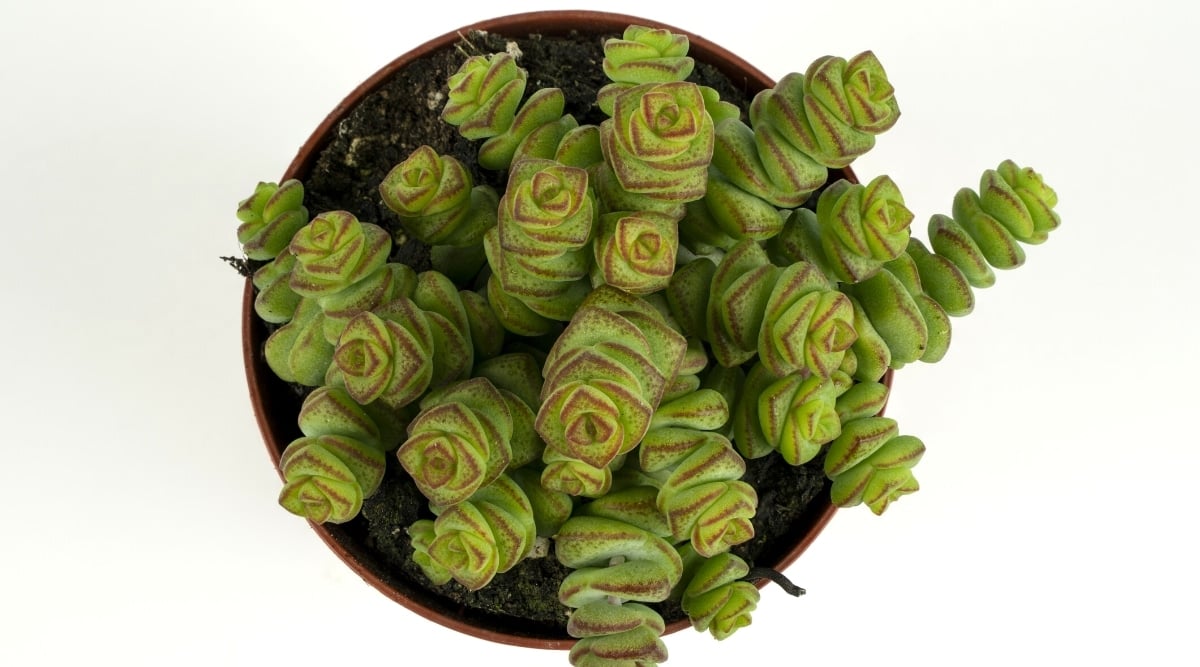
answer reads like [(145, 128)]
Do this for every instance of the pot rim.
[(260, 378)]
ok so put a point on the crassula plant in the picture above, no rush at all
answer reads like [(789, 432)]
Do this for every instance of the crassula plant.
[(600, 344)]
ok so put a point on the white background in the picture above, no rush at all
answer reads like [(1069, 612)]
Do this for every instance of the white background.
[(1055, 524)]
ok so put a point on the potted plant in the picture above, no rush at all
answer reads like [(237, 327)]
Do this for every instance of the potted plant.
[(617, 347)]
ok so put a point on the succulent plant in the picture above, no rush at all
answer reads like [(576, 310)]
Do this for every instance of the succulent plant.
[(338, 462), (484, 102), (854, 231), (870, 462), (717, 597), (618, 566), (270, 218), (794, 415), (698, 474), (465, 437), (334, 251), (382, 359), (635, 251), (297, 351), (635, 309), (643, 55), (790, 317), (436, 200), (538, 251), (605, 376), (831, 113), (474, 540), (659, 141)]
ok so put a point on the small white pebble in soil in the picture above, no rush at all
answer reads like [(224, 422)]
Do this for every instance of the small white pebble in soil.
[(513, 50), (354, 144), (434, 99)]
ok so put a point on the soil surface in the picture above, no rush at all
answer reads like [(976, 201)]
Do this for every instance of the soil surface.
[(381, 132)]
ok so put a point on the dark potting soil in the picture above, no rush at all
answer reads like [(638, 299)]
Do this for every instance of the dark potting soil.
[(381, 132)]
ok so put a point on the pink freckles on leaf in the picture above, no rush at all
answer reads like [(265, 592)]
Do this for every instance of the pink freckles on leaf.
[(417, 184), (551, 195), (362, 358), (592, 427), (645, 248), (589, 428), (667, 118), (661, 134), (416, 177), (440, 462), (323, 234), (466, 555)]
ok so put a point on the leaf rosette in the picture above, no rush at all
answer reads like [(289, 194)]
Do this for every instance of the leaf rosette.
[(659, 141), (270, 217), (595, 419), (384, 359), (547, 209), (460, 442), (538, 251), (635, 251), (436, 200), (798, 416), (339, 461), (326, 477), (483, 95), (862, 227), (334, 251), (832, 112), (477, 539), (605, 376), (807, 326)]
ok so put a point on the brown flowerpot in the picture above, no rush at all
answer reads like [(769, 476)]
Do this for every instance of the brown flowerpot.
[(276, 404)]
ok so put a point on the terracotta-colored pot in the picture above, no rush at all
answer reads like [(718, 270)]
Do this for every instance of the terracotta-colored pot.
[(276, 405)]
